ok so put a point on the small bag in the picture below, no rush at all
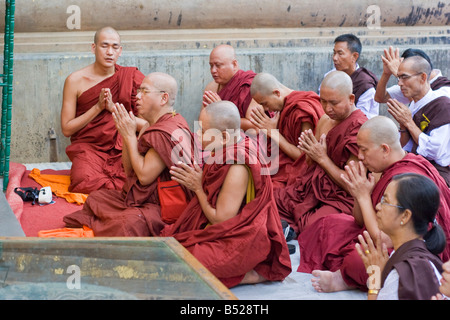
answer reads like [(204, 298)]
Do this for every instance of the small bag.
[(28, 194), (172, 199)]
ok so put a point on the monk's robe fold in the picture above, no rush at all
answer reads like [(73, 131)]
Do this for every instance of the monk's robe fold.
[(299, 107), (329, 243), (237, 90), (95, 150), (135, 211), (252, 240), (314, 193)]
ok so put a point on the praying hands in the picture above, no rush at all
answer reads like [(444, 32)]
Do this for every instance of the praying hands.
[(315, 150), (263, 122)]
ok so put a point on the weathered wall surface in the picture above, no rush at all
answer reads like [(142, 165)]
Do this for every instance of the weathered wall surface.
[(291, 39)]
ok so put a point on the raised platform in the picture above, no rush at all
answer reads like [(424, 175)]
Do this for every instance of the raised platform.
[(103, 268)]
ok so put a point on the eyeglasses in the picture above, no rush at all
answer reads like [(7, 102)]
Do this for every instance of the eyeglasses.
[(404, 77), (145, 91), (383, 201)]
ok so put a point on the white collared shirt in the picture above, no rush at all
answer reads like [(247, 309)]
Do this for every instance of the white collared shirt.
[(435, 145)]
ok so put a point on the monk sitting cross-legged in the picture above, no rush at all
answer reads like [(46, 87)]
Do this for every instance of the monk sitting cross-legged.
[(295, 112), (86, 115), (318, 189), (231, 226), (328, 246), (135, 211)]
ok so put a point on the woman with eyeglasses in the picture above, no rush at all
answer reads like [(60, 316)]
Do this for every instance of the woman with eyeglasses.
[(406, 213)]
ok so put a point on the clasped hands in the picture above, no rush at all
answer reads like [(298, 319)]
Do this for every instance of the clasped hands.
[(105, 100), (263, 122), (188, 176), (125, 121), (315, 149)]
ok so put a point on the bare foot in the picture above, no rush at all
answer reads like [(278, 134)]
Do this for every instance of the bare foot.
[(252, 277), (327, 281)]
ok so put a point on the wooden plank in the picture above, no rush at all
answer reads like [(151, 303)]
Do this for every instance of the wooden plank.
[(146, 268)]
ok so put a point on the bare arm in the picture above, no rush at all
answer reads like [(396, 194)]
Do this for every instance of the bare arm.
[(361, 187), (70, 124), (391, 62)]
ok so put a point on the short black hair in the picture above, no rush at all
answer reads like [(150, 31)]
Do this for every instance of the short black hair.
[(411, 52), (353, 42)]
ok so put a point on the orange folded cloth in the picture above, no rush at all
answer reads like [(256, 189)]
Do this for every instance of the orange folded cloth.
[(84, 232), (59, 185)]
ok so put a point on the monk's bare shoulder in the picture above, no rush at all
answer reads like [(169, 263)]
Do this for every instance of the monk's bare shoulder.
[(212, 86), (324, 125), (81, 80)]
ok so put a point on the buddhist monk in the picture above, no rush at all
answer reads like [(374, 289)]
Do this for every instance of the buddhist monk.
[(346, 52), (295, 112), (391, 61), (165, 140), (231, 225), (334, 260), (318, 189), (230, 83), (425, 123), (86, 115)]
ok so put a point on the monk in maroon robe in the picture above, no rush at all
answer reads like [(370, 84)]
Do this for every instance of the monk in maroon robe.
[(231, 226), (135, 211), (89, 94), (230, 83), (335, 252), (318, 190), (295, 112)]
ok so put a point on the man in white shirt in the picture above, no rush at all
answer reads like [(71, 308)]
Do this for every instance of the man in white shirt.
[(346, 52), (391, 62), (425, 125)]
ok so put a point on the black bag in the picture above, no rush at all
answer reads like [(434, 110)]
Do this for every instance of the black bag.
[(28, 194)]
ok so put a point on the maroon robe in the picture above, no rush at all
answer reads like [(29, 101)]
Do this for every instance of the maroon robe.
[(440, 82), (417, 278), (251, 240), (329, 244), (95, 150), (433, 115), (135, 211), (299, 107), (237, 90), (363, 80), (314, 193)]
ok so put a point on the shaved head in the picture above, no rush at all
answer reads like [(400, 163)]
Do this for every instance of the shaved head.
[(223, 115), (225, 51), (338, 80), (166, 83), (417, 64), (108, 29), (382, 130), (265, 84)]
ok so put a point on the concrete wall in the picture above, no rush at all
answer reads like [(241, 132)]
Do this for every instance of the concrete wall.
[(297, 56)]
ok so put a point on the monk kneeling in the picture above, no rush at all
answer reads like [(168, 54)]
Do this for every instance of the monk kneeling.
[(231, 226)]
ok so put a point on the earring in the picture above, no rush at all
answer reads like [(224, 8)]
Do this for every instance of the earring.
[(401, 222)]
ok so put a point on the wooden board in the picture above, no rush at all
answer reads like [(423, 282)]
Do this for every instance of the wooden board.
[(103, 268)]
